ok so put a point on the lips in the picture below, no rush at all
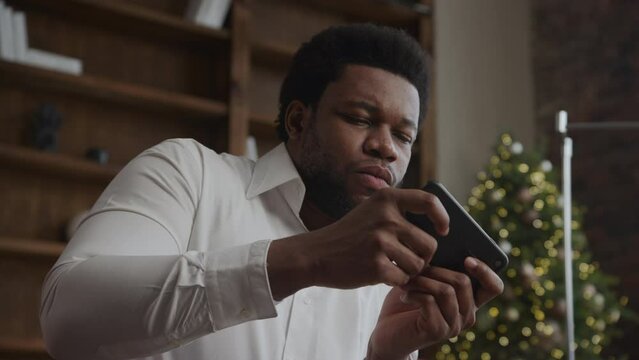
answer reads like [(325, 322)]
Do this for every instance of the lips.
[(378, 172)]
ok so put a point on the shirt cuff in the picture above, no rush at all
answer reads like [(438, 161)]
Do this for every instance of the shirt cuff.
[(237, 285)]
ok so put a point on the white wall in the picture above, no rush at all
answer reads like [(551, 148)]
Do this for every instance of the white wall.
[(483, 86)]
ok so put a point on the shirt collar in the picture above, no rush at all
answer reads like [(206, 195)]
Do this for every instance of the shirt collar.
[(276, 169)]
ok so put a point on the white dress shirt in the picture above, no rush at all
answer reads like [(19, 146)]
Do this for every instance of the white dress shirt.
[(171, 264)]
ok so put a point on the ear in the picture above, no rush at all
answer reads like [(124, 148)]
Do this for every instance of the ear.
[(295, 119)]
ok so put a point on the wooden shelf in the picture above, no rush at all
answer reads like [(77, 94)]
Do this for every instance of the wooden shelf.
[(272, 53), (378, 11), (45, 248), (22, 346), (104, 89), (51, 163), (131, 19)]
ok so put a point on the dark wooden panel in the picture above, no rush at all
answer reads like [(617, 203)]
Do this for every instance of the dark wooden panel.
[(39, 205), (20, 288), (264, 91)]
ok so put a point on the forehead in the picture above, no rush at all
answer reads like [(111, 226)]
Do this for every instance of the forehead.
[(388, 91)]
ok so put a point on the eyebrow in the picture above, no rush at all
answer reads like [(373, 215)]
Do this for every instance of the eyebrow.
[(375, 110)]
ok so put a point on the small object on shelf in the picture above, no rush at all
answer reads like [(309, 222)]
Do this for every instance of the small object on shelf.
[(53, 61), (7, 38), (99, 155), (46, 122), (20, 42), (210, 13), (36, 57)]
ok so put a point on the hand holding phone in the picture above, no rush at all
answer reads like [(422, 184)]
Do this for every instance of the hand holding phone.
[(465, 237)]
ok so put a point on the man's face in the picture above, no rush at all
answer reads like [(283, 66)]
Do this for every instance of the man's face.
[(358, 139)]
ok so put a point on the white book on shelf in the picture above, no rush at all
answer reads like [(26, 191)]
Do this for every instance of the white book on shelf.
[(7, 48), (210, 13), (20, 39), (51, 61)]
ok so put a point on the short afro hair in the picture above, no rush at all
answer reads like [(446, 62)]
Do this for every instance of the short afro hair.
[(321, 61)]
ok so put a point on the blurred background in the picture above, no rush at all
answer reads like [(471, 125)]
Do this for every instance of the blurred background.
[(85, 85)]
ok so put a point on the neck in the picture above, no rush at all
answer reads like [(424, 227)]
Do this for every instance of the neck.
[(313, 217)]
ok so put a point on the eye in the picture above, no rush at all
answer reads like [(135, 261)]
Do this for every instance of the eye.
[(356, 120), (405, 139)]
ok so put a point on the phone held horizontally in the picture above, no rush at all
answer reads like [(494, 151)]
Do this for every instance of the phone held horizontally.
[(465, 237)]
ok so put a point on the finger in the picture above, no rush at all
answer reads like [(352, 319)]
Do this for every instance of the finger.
[(389, 273), (420, 242), (491, 284), (463, 288), (406, 259), (435, 322), (423, 325), (443, 293), (422, 202)]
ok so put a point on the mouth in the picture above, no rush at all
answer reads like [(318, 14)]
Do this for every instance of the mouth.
[(378, 175)]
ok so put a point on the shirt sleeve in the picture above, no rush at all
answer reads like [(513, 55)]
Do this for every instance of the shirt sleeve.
[(126, 286)]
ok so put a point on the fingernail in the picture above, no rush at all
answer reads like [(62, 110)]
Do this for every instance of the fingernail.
[(471, 263)]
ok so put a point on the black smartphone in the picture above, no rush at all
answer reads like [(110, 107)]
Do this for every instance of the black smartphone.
[(465, 237)]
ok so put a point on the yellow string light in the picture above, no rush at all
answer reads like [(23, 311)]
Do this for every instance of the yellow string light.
[(557, 353), (523, 168), (470, 336), (503, 341)]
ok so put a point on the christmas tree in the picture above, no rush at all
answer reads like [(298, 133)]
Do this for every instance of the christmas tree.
[(518, 203)]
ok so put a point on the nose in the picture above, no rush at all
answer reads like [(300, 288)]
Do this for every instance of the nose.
[(379, 144)]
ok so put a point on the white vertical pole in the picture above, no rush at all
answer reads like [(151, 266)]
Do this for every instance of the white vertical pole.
[(562, 127)]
